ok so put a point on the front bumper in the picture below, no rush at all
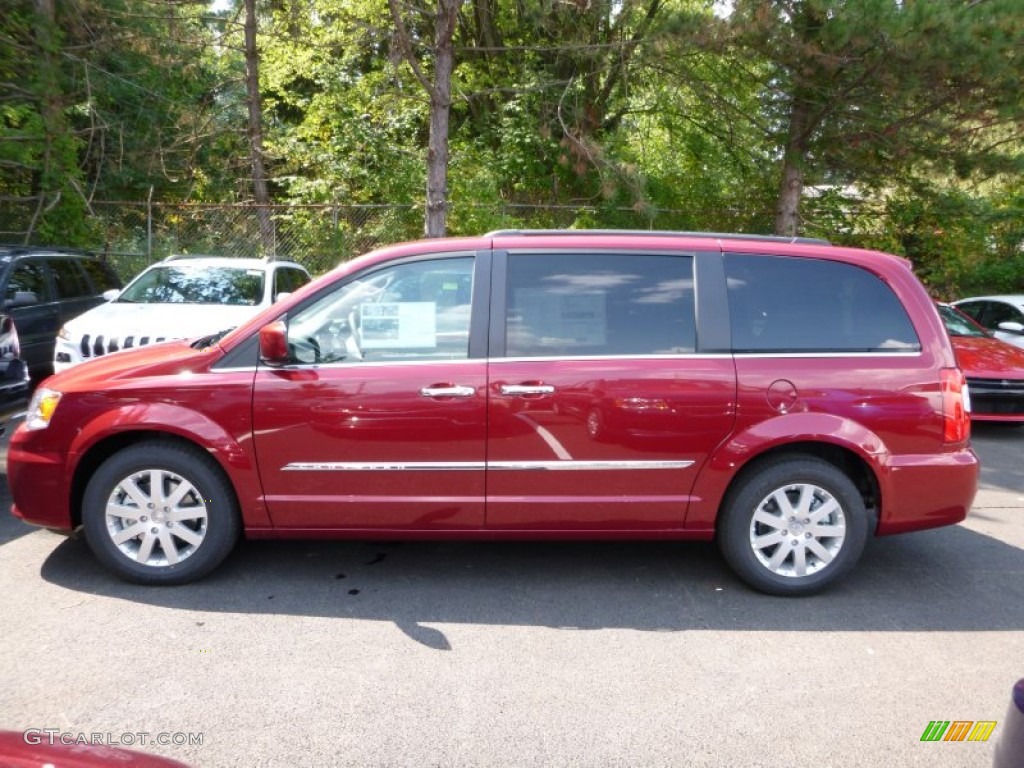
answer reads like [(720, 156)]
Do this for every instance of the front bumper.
[(996, 399), (40, 485)]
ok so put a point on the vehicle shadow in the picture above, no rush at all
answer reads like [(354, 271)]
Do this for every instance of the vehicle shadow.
[(951, 579)]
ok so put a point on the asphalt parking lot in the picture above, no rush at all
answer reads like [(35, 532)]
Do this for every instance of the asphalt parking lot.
[(483, 654)]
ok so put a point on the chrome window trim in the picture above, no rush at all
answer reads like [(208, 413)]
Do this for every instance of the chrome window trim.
[(370, 364), (442, 466), (560, 358), (579, 358), (884, 355)]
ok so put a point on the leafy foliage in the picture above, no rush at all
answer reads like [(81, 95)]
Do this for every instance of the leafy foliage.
[(886, 123)]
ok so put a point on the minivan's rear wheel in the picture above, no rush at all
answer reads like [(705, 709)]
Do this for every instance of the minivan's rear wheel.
[(793, 526), (160, 513)]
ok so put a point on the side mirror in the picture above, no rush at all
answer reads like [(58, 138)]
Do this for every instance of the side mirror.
[(1012, 327), (274, 343), (112, 294), (282, 295)]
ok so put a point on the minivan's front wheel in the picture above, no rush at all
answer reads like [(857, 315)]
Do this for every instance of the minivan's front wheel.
[(793, 526), (160, 513)]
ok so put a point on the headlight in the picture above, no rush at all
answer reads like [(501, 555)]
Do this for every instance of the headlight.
[(63, 333), (41, 408)]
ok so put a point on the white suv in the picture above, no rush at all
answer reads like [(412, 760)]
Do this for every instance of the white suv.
[(179, 298)]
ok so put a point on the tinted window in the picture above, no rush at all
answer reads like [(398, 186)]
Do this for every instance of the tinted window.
[(288, 280), (414, 311), (102, 275), (70, 280), (999, 312), (197, 285), (28, 283), (599, 304), (780, 304), (973, 309)]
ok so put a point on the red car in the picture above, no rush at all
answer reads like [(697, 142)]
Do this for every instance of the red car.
[(994, 369), (786, 398)]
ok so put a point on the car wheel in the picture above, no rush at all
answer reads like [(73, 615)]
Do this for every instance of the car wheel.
[(595, 425), (793, 527), (160, 513)]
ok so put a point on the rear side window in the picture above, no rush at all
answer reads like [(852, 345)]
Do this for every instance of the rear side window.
[(783, 304), (102, 275), (289, 280), (71, 282), (582, 304)]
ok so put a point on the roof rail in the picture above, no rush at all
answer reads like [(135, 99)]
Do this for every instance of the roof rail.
[(186, 256), (17, 250), (179, 256), (657, 233)]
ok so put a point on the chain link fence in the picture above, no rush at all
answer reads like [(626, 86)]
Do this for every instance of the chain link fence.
[(135, 234)]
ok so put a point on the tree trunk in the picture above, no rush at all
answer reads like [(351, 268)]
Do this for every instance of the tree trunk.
[(440, 92), (440, 110), (51, 109), (259, 176), (787, 209)]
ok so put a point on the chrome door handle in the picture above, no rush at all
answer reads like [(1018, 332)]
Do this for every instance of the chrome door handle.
[(527, 389), (455, 391)]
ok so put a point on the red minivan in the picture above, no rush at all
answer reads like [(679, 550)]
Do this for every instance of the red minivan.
[(787, 398)]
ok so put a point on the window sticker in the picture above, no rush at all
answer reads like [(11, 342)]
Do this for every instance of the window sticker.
[(398, 325)]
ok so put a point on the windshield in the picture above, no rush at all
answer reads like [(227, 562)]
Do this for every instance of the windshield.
[(183, 284), (958, 325)]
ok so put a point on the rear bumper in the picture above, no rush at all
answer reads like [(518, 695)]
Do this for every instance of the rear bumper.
[(928, 491)]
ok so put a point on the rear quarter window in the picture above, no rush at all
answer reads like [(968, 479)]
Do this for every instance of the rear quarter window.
[(289, 280), (69, 279), (101, 274), (789, 304)]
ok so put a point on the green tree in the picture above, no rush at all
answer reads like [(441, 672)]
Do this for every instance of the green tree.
[(865, 90)]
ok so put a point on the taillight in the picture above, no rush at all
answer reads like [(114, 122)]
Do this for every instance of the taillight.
[(956, 406)]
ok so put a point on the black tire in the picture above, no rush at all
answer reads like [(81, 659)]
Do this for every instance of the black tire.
[(774, 492), (198, 498)]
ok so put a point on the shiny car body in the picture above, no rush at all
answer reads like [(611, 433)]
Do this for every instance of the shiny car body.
[(993, 368), (181, 297), (52, 748), (441, 389)]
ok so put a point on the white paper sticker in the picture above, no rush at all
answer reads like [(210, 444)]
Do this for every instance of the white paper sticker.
[(398, 325)]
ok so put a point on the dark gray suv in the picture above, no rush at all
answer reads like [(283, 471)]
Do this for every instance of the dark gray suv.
[(41, 288)]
